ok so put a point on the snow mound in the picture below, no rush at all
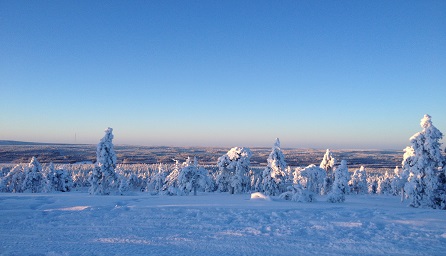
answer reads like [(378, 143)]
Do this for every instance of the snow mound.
[(259, 195)]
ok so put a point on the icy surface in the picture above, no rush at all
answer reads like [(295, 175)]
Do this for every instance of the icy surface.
[(215, 224)]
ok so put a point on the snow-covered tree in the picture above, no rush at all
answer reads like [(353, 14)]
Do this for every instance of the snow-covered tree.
[(192, 177), (328, 164), (34, 181), (233, 170), (405, 170), (13, 181), (171, 182), (372, 181), (441, 190), (58, 179), (424, 163), (311, 178), (298, 193), (157, 180), (124, 184), (385, 184), (103, 177), (255, 176), (398, 181), (274, 176), (340, 184), (358, 181)]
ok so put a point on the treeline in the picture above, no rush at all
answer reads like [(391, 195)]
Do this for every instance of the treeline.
[(232, 174), (421, 178)]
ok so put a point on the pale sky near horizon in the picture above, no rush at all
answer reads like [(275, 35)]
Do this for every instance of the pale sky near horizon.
[(318, 74)]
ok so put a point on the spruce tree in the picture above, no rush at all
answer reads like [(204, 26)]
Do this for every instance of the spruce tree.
[(424, 163), (340, 184), (358, 181), (328, 164), (104, 177), (33, 181), (233, 171), (274, 176)]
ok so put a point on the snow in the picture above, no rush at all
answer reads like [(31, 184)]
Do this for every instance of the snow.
[(260, 195), (77, 223)]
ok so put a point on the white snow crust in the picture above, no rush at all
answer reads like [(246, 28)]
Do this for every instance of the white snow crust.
[(76, 223)]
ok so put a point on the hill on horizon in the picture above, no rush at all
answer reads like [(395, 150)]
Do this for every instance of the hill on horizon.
[(22, 143)]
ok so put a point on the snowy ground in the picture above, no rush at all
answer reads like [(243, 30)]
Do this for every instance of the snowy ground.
[(214, 224)]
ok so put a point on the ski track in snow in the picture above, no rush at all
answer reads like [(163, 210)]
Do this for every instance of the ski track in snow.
[(215, 224)]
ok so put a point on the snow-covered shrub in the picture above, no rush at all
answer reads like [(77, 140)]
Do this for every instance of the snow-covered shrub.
[(340, 184), (298, 193), (233, 171), (274, 176), (58, 179), (34, 181), (424, 163), (358, 181), (103, 178)]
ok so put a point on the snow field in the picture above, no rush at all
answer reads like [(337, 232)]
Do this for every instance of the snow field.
[(76, 223)]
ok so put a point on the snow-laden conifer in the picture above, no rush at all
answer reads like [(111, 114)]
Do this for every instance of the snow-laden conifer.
[(255, 176), (58, 179), (274, 176), (34, 181), (192, 178), (328, 164), (13, 181), (340, 184), (385, 184), (372, 181), (424, 163), (103, 178), (157, 180), (398, 181), (358, 181), (233, 171), (171, 182)]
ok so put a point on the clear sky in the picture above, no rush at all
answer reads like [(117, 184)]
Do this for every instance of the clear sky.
[(320, 74)]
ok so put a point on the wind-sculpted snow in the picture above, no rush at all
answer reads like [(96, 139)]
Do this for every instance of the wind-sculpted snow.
[(215, 224)]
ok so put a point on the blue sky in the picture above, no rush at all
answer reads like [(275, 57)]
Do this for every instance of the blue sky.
[(320, 74)]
